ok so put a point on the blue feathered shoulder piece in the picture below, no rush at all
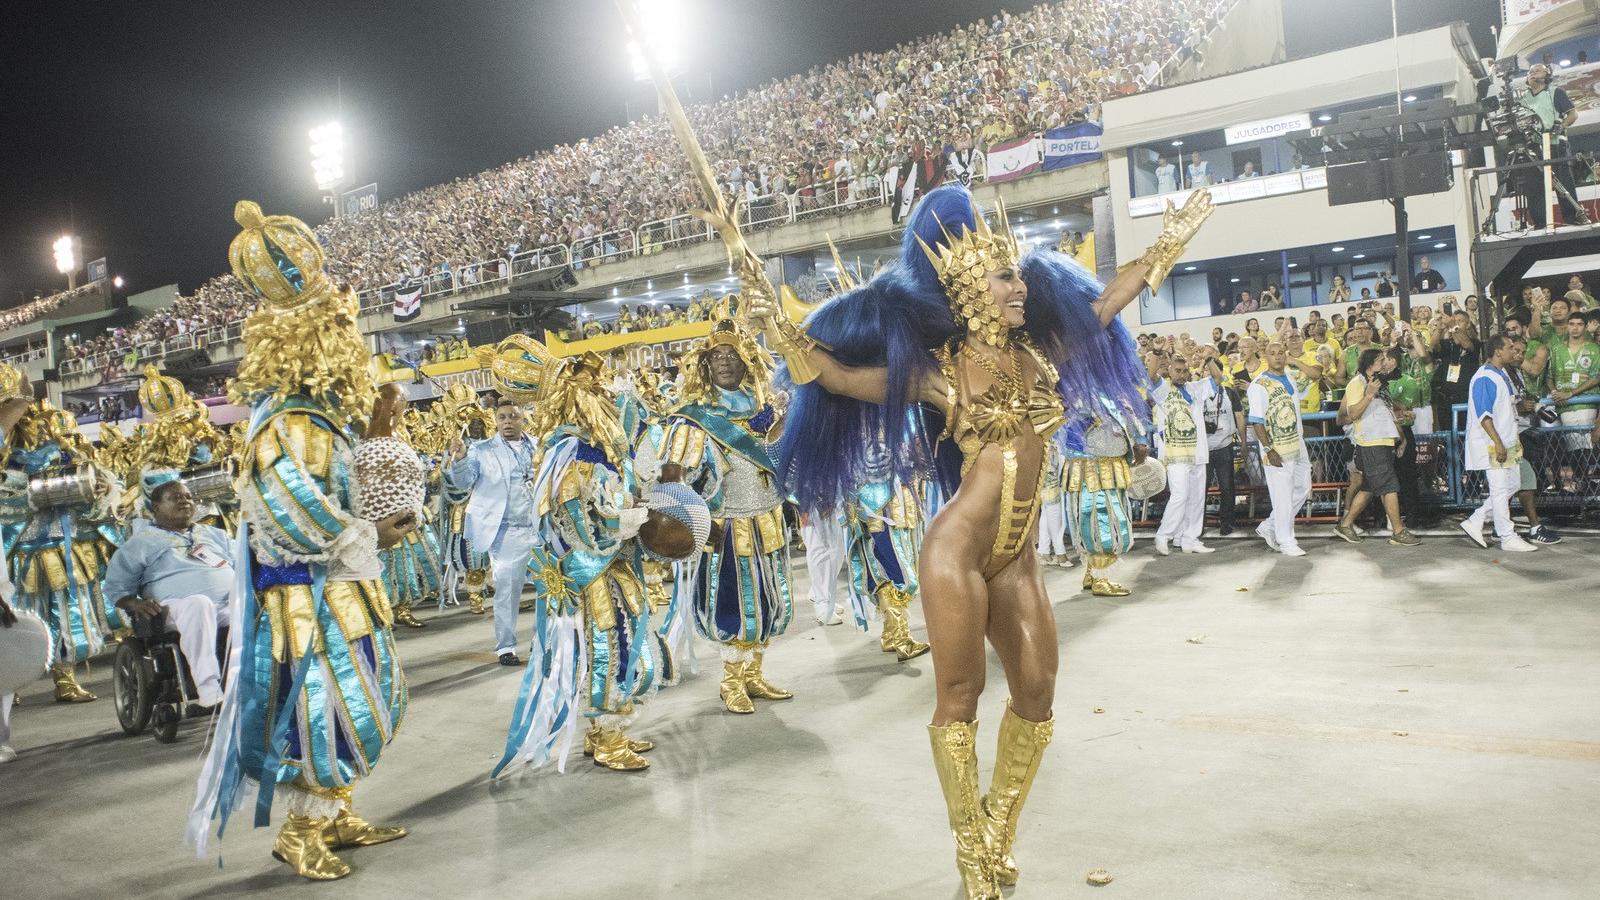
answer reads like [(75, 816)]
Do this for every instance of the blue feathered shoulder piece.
[(1099, 366)]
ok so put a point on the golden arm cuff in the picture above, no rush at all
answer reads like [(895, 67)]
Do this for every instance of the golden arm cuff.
[(789, 342)]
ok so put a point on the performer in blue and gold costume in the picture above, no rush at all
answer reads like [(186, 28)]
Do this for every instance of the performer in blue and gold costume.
[(1100, 440), (179, 440), (594, 657), (315, 690), (57, 555), (994, 347), (413, 570), (717, 443), (883, 522)]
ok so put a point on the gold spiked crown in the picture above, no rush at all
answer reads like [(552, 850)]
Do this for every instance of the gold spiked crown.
[(568, 391), (162, 395), (963, 263), (277, 256)]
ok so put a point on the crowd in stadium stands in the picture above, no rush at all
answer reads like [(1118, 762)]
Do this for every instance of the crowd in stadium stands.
[(822, 139)]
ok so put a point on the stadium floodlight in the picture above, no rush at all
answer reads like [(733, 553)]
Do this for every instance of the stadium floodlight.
[(661, 21), (66, 251), (327, 155), (117, 282)]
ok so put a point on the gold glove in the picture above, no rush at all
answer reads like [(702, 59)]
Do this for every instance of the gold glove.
[(1178, 227), (760, 302)]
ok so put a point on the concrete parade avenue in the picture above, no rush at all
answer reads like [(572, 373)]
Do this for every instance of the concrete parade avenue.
[(1367, 721)]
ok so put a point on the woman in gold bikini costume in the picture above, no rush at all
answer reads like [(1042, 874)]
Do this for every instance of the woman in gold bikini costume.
[(959, 341)]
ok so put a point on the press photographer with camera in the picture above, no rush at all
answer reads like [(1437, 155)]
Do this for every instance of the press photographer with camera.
[(1552, 112)]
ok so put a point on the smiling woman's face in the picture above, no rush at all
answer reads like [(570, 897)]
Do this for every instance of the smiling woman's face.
[(1009, 294)]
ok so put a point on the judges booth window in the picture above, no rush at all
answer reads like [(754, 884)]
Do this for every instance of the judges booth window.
[(1272, 284)]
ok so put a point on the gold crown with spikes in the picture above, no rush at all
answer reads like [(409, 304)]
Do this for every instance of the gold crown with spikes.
[(278, 256), (162, 395), (964, 261)]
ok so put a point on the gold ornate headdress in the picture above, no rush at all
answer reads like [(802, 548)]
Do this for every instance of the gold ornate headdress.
[(727, 330), (165, 397), (13, 384), (562, 390), (302, 338), (963, 263)]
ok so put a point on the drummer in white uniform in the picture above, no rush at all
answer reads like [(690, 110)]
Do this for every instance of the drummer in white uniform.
[(174, 565)]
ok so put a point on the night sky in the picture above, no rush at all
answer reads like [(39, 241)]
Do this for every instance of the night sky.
[(137, 125)]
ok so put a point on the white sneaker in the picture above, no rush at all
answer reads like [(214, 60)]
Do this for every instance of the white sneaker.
[(1162, 547), (7, 753), (1292, 550), (1516, 544), (1264, 531), (1474, 534), (831, 617), (1198, 547)]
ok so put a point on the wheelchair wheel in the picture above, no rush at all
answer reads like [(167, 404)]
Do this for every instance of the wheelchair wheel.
[(132, 687), (165, 726)]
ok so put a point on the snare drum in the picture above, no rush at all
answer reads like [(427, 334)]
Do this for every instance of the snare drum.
[(63, 488)]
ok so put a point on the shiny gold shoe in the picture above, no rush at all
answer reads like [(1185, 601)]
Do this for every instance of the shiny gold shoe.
[(734, 695), (592, 737), (475, 603), (67, 688), (758, 686), (955, 758), (300, 844), (350, 830), (1021, 747), (613, 750), (1102, 586), (897, 638), (403, 616)]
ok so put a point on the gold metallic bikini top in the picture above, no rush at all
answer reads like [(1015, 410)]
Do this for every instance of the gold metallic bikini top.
[(1001, 413)]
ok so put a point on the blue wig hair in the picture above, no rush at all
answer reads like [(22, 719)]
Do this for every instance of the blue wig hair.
[(1099, 365), (897, 321)]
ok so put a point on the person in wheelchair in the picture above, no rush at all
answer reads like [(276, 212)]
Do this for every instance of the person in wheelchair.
[(173, 565)]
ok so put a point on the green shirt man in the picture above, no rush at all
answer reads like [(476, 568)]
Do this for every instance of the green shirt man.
[(1574, 371)]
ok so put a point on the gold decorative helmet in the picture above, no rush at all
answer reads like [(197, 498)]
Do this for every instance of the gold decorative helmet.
[(278, 256), (163, 396), (13, 384)]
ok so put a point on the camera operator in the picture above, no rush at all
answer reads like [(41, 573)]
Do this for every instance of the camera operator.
[(1553, 110)]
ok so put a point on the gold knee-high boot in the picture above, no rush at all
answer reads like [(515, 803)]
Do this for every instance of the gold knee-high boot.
[(756, 684), (955, 757), (350, 830), (1021, 747), (67, 687), (897, 639)]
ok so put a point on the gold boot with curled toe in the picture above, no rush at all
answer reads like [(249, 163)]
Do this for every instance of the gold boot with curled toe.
[(734, 695), (67, 687), (756, 684), (955, 757), (475, 603), (350, 830), (593, 737), (301, 844), (613, 750), (1021, 747), (897, 637), (404, 616)]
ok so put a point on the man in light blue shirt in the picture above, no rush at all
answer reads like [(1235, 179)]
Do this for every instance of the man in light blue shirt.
[(174, 565), (500, 514)]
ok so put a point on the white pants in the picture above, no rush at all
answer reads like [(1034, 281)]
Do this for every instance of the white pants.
[(1578, 440), (508, 563), (1288, 485), (1053, 528), (197, 618), (826, 551), (1185, 514), (5, 717), (1424, 422), (1502, 484)]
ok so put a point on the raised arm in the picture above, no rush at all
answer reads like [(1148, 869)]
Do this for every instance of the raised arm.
[(1151, 268)]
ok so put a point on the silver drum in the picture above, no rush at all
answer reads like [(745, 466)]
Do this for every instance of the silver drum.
[(70, 488), (211, 484)]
